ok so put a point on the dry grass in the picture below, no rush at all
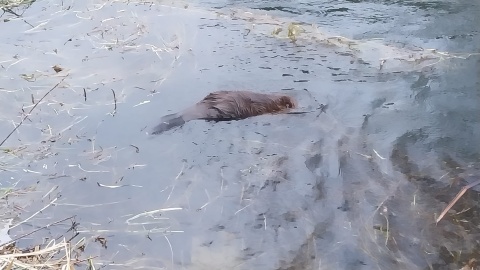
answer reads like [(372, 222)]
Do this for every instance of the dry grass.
[(8, 6), (53, 255), (14, 3)]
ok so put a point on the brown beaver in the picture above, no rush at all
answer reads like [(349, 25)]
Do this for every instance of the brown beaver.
[(226, 106)]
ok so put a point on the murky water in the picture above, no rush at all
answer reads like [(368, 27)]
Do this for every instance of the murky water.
[(356, 187)]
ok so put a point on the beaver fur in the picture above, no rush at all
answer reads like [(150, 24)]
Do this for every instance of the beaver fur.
[(226, 106)]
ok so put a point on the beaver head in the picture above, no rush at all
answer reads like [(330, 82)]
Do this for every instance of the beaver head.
[(286, 102)]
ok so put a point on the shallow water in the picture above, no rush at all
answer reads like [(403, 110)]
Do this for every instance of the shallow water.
[(356, 187)]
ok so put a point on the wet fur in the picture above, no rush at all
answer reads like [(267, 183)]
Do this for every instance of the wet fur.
[(226, 106)]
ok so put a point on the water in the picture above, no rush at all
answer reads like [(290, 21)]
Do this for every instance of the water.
[(356, 187)]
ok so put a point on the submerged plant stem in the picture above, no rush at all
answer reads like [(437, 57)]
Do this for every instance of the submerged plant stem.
[(459, 195), (33, 108)]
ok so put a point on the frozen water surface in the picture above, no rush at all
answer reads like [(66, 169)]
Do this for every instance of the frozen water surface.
[(358, 186)]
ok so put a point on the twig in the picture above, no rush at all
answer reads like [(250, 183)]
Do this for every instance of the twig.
[(87, 259), (302, 112), (9, 10), (171, 249), (28, 23), (71, 238), (33, 108), (115, 101), (91, 266), (34, 231), (45, 207), (176, 178), (322, 108), (459, 195)]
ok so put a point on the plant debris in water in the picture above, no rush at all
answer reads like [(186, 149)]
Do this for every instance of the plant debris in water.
[(9, 6), (52, 255), (390, 213)]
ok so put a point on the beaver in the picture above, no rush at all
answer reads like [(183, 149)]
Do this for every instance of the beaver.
[(227, 106)]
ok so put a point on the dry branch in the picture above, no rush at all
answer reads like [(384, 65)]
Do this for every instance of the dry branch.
[(31, 110), (459, 195)]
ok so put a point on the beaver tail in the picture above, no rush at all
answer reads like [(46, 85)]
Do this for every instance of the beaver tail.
[(168, 122)]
